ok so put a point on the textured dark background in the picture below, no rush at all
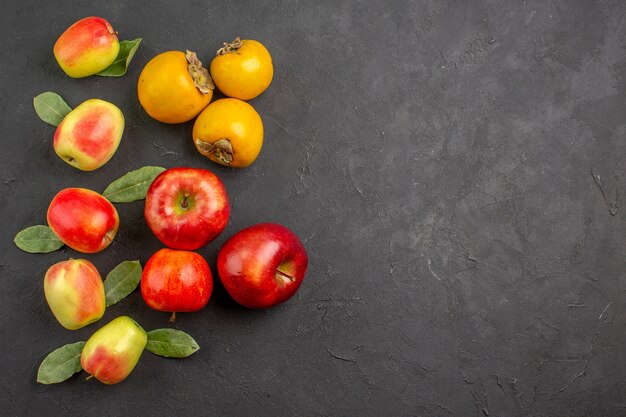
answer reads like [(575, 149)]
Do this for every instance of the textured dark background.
[(455, 169)]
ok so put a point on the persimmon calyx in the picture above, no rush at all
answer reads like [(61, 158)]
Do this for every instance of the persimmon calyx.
[(221, 150), (230, 47), (200, 75)]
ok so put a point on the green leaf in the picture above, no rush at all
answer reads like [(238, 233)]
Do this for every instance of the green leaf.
[(121, 281), (60, 364), (37, 239), (51, 108), (171, 343), (132, 186), (121, 63)]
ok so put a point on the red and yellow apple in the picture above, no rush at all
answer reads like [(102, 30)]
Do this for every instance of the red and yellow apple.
[(186, 208), (75, 293), (112, 352), (263, 265), (83, 219), (176, 281), (87, 47), (89, 135)]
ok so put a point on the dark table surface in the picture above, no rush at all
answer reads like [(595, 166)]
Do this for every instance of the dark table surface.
[(455, 169)]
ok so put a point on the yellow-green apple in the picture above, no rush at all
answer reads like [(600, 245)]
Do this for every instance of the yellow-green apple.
[(186, 208), (75, 293), (87, 47), (112, 352), (83, 219), (176, 281), (263, 265), (89, 135)]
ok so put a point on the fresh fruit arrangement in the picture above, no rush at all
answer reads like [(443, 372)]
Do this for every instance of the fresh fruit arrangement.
[(186, 208)]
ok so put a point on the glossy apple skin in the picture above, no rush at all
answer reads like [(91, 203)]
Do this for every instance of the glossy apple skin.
[(75, 293), (186, 208), (254, 265), (89, 135), (176, 281), (87, 47), (83, 219), (112, 352)]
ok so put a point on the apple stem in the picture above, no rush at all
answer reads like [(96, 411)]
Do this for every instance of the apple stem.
[(282, 274), (89, 377), (173, 317)]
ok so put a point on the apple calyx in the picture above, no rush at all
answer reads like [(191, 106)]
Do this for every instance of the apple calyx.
[(221, 150), (230, 47), (70, 160), (200, 75), (184, 204)]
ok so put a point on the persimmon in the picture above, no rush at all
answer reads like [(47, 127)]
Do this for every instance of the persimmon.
[(174, 87), (242, 69)]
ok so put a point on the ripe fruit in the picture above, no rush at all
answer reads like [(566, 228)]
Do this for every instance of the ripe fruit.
[(112, 352), (90, 134), (174, 87), (263, 265), (186, 208), (75, 293), (229, 132), (87, 47), (83, 219), (242, 69), (176, 281)]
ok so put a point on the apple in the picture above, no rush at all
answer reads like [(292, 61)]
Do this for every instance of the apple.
[(112, 352), (87, 47), (83, 219), (75, 293), (186, 208), (89, 135), (262, 265), (176, 281)]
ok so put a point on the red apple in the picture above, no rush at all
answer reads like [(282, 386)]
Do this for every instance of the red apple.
[(90, 134), (176, 281), (186, 208), (83, 219), (263, 265), (112, 352), (75, 293), (87, 47)]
